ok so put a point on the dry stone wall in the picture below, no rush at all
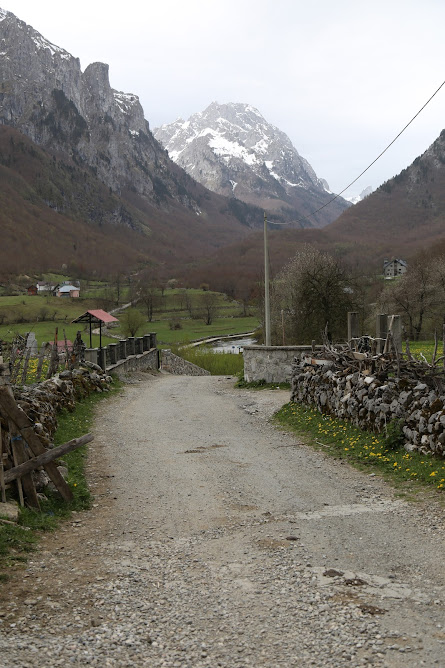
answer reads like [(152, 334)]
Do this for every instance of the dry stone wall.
[(179, 366), (371, 404), (41, 402)]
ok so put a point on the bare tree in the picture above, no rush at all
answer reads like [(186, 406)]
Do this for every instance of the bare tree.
[(418, 295), (148, 291), (209, 306), (132, 321), (312, 291)]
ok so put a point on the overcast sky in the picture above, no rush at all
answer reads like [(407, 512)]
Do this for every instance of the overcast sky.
[(341, 78)]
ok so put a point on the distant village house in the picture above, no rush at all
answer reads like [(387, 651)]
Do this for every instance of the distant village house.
[(393, 268), (68, 290), (65, 289), (45, 286)]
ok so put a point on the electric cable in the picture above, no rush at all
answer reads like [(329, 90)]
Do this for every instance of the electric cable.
[(374, 161)]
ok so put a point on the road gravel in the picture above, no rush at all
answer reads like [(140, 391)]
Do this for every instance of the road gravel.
[(217, 539)]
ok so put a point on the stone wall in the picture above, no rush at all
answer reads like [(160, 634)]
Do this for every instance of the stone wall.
[(272, 364), (371, 404), (146, 361), (42, 401), (176, 365)]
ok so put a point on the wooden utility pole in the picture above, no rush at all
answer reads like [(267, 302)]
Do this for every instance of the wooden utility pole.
[(266, 285)]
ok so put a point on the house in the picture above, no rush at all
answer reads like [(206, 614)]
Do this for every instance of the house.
[(395, 267), (32, 289), (68, 291), (45, 286)]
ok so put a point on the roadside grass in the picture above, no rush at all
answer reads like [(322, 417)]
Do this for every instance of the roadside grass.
[(424, 347), (378, 453), (219, 364), (17, 541)]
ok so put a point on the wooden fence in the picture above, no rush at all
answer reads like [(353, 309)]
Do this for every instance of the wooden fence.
[(22, 451)]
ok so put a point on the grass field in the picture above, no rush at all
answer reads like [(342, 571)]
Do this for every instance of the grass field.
[(424, 347), (42, 314), (192, 330), (45, 332), (219, 364)]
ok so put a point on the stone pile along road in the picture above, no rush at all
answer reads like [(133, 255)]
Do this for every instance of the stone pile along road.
[(217, 539)]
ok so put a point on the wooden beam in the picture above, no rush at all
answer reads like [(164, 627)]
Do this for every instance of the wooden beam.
[(21, 459), (46, 457)]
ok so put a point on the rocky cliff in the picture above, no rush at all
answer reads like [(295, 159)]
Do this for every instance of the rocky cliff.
[(45, 95), (74, 149), (234, 151)]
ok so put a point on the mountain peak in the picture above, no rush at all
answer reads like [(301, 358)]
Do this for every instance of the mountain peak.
[(231, 149)]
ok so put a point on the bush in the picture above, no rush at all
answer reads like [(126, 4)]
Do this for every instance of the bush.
[(394, 437), (132, 321)]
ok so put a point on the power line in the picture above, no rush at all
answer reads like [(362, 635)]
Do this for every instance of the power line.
[(377, 158)]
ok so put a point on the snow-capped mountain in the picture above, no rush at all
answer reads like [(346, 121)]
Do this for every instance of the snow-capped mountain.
[(232, 150), (358, 198)]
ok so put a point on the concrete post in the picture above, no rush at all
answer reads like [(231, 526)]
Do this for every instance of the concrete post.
[(139, 345), (102, 358), (153, 343), (353, 327), (130, 346), (123, 349), (396, 330), (91, 355), (146, 338), (113, 352), (381, 331)]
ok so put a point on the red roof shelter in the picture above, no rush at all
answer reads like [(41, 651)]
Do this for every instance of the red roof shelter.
[(96, 317)]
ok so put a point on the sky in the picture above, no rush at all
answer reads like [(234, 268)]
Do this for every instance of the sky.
[(341, 78)]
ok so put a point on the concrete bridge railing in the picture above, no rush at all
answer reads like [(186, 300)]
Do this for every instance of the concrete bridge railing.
[(130, 354)]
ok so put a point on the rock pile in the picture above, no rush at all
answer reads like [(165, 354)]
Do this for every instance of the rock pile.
[(371, 403)]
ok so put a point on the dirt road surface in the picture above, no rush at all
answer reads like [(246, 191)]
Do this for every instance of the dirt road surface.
[(218, 540)]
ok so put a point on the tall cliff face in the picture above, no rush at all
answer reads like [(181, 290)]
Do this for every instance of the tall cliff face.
[(234, 151), (76, 154), (45, 95)]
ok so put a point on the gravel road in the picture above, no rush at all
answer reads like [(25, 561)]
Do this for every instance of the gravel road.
[(218, 540)]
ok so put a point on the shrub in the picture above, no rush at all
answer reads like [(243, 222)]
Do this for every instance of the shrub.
[(394, 437)]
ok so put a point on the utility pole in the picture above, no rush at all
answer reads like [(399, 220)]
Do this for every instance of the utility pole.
[(266, 284)]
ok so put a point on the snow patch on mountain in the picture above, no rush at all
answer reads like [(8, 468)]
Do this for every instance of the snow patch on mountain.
[(224, 147), (233, 143), (42, 43), (125, 101)]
